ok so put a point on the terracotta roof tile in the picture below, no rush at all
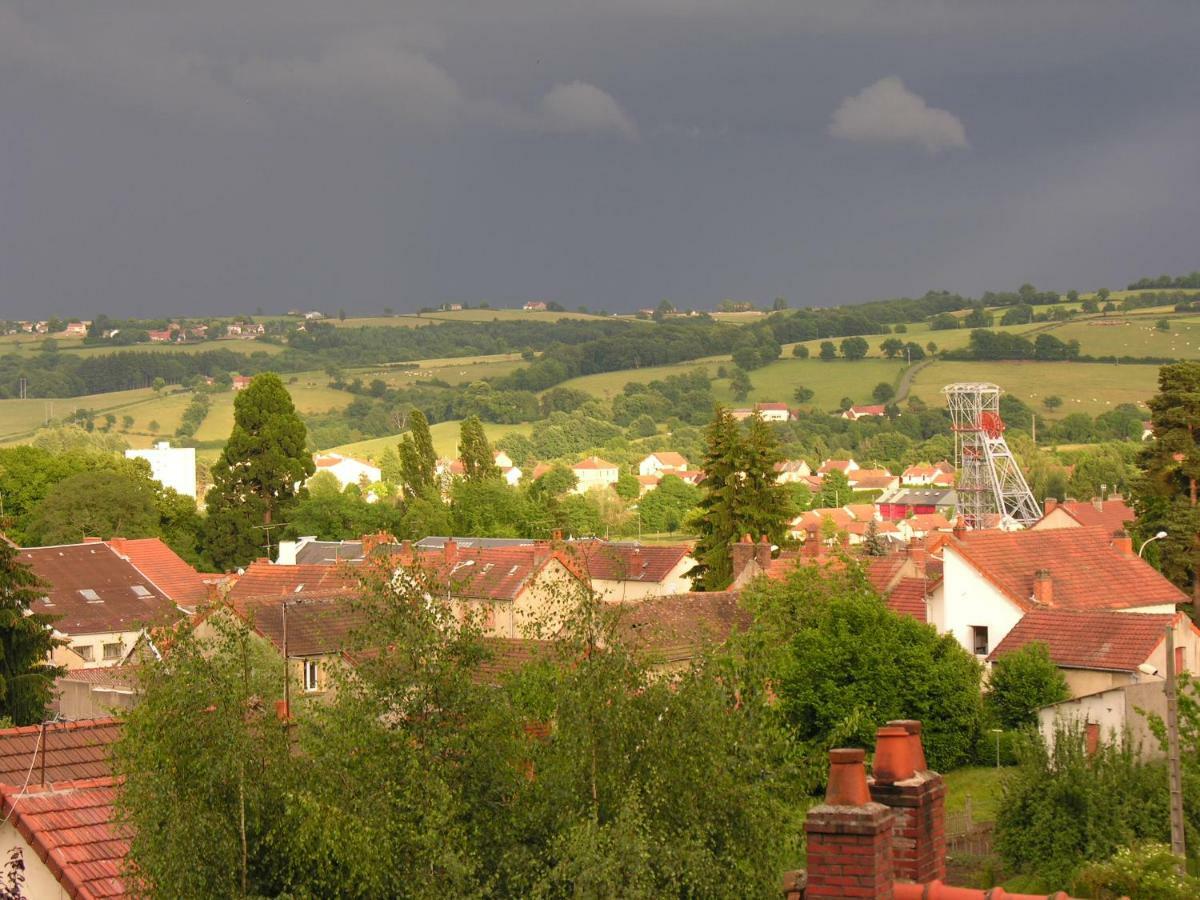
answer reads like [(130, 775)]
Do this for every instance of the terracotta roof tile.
[(71, 828), (71, 750), (1113, 515), (158, 562), (93, 589), (926, 522), (619, 561), (676, 626), (1086, 571), (1111, 641), (882, 571), (594, 462), (908, 598), (670, 458)]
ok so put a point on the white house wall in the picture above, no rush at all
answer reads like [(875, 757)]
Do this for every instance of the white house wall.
[(966, 599)]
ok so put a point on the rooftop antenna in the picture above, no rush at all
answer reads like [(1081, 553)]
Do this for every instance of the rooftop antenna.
[(990, 485), (267, 532)]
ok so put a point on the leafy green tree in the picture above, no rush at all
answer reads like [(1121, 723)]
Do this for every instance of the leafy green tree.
[(558, 481), (892, 347), (205, 763), (1052, 402), (418, 460), (26, 641), (628, 487), (1163, 324), (739, 384), (978, 317), (763, 504), (854, 664), (913, 351), (487, 508), (883, 392), (854, 348), (828, 351), (746, 356), (800, 351), (644, 426), (1023, 682), (802, 394), (100, 504), (1090, 305), (668, 506), (1148, 871), (873, 542), (475, 452), (835, 491), (256, 479), (944, 322)]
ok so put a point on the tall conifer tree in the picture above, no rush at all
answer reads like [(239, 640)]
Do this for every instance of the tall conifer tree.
[(260, 473), (26, 639), (418, 460), (475, 451)]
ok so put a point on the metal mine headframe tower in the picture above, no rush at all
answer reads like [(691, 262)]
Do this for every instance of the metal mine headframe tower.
[(990, 485)]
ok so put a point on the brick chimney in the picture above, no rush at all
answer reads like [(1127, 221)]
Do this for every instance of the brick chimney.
[(762, 553), (1122, 542), (371, 542), (849, 836), (741, 553), (1043, 587), (916, 796), (450, 549), (92, 540), (920, 558), (812, 543), (1051, 504), (960, 526)]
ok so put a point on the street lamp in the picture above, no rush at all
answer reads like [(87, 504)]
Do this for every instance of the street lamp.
[(1157, 537)]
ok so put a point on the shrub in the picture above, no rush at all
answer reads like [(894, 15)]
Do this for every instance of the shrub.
[(1144, 872)]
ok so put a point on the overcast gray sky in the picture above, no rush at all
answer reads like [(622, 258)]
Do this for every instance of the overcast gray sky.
[(218, 156)]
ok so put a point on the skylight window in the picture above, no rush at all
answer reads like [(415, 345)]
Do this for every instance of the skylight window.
[(89, 595), (140, 591)]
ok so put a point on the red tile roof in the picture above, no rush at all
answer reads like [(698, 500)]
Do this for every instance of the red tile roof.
[(316, 627), (870, 409), (882, 571), (842, 465), (594, 462), (1113, 515), (71, 828), (670, 458), (611, 561), (908, 598), (772, 407), (263, 580), (675, 627), (93, 590), (927, 522), (817, 517), (68, 751), (1110, 641), (1086, 571), (505, 656), (165, 568)]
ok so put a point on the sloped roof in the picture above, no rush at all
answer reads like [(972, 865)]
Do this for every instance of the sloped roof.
[(908, 598), (594, 462), (1086, 571), (669, 458), (158, 562), (315, 627), (71, 750), (613, 561), (772, 407), (869, 409), (871, 479), (864, 512), (929, 522), (678, 625), (92, 589), (329, 552), (920, 470), (817, 516), (791, 465), (264, 580), (842, 465), (1110, 641), (504, 656), (882, 570), (1112, 515), (71, 828)]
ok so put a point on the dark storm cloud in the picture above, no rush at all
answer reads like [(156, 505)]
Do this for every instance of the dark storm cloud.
[(220, 156)]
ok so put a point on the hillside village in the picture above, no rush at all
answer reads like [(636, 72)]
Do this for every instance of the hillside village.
[(1073, 586)]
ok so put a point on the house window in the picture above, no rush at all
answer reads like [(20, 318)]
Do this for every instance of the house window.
[(86, 652), (113, 651), (979, 639), (312, 675), (1093, 738), (1180, 660)]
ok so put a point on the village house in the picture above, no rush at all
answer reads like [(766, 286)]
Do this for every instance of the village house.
[(845, 466), (924, 474), (792, 471), (535, 306), (454, 468), (900, 503), (76, 329), (624, 571), (872, 480), (671, 632), (594, 472), (241, 382), (1113, 514), (102, 602), (662, 462), (854, 413), (773, 412), (992, 579), (347, 469), (1099, 649)]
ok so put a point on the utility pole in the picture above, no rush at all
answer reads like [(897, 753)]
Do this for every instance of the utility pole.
[(1174, 775), (1033, 426), (287, 674)]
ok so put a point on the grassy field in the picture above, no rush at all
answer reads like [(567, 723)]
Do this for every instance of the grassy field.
[(609, 384), (981, 784), (445, 440), (414, 320), (19, 418), (28, 345), (830, 381), (1125, 336), (454, 370), (1085, 387)]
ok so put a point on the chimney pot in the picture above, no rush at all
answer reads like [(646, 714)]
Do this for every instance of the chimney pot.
[(960, 526), (1051, 504), (847, 778), (915, 747), (1043, 587), (1123, 542), (893, 759)]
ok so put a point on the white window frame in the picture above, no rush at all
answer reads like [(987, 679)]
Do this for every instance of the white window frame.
[(987, 642), (87, 652), (311, 674), (120, 650)]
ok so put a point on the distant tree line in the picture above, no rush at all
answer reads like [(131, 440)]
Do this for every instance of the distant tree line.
[(1191, 280)]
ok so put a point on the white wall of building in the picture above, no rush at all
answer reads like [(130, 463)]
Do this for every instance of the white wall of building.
[(174, 467), (966, 600)]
